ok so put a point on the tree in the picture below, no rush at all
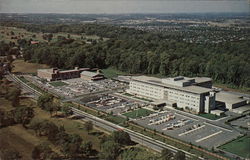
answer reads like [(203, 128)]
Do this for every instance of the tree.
[(66, 110), (88, 126), (87, 148), (1, 73), (44, 101), (109, 150), (121, 137), (73, 146), (11, 155), (23, 115), (13, 95), (43, 151), (180, 155), (166, 154)]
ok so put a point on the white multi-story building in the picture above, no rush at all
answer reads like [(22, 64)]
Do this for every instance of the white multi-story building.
[(193, 94)]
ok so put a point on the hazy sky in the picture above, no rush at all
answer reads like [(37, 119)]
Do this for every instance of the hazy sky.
[(123, 6)]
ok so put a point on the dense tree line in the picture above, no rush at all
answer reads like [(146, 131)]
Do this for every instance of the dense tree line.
[(135, 51), (226, 62)]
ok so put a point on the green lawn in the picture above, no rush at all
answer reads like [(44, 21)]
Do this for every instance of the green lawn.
[(111, 72), (138, 113), (58, 83), (210, 116), (240, 147), (115, 119)]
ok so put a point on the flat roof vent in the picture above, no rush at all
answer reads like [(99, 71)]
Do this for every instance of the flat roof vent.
[(178, 78)]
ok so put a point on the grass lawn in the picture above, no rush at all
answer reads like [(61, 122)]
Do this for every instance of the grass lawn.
[(240, 146), (210, 116), (111, 72), (26, 67), (138, 113), (58, 83), (115, 119), (21, 140)]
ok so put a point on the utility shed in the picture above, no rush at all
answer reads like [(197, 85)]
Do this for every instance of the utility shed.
[(92, 76), (231, 101)]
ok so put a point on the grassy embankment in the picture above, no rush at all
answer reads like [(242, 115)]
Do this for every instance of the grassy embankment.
[(23, 140)]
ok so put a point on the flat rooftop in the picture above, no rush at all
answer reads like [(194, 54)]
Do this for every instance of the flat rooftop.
[(50, 70), (158, 82), (223, 96), (46, 70), (90, 74), (242, 109), (202, 79)]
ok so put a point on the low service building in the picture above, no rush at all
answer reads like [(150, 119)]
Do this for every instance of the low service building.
[(55, 74), (91, 76)]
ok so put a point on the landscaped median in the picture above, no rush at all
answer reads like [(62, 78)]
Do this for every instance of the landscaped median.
[(58, 83), (138, 113)]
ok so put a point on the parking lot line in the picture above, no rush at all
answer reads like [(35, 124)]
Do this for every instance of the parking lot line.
[(204, 138), (186, 116), (191, 130)]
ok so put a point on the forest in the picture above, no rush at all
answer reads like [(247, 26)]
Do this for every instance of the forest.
[(138, 52)]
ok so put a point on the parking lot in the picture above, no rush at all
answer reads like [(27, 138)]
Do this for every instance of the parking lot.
[(75, 87), (111, 103), (188, 129)]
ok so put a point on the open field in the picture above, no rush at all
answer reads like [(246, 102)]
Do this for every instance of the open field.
[(5, 34), (138, 113), (19, 33), (26, 67), (240, 146)]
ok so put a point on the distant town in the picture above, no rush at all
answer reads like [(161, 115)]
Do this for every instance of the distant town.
[(125, 87)]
